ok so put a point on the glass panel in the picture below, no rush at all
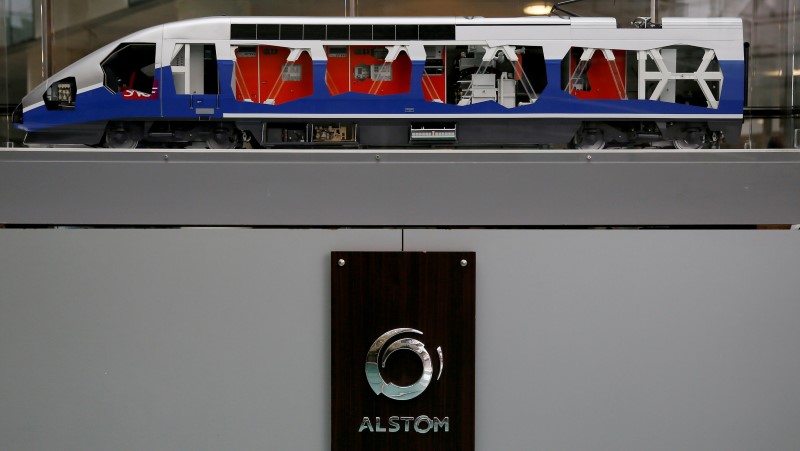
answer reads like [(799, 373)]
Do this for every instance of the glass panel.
[(19, 21), (81, 26), (17, 18)]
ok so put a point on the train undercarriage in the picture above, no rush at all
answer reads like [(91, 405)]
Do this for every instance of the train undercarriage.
[(462, 134)]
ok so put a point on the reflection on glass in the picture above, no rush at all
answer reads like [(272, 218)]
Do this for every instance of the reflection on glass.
[(19, 21), (771, 26)]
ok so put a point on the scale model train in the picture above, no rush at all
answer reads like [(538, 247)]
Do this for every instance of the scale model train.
[(460, 81)]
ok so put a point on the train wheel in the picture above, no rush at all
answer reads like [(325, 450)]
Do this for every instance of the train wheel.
[(589, 139), (120, 136), (224, 137), (693, 138)]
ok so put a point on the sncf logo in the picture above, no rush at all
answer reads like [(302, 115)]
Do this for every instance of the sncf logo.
[(380, 351)]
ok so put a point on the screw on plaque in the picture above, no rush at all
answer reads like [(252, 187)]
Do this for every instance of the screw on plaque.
[(464, 263), (341, 262)]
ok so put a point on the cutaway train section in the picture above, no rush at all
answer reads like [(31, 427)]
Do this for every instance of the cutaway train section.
[(232, 82)]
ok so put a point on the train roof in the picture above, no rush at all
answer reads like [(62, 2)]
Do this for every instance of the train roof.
[(430, 28), (603, 22), (384, 20)]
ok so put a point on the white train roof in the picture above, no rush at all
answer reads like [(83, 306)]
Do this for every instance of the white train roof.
[(431, 20), (480, 28)]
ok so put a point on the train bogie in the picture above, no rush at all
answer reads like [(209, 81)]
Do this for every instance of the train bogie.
[(274, 82)]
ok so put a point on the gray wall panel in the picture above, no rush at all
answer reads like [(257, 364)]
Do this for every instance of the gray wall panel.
[(168, 340), (402, 188), (218, 339), (634, 340)]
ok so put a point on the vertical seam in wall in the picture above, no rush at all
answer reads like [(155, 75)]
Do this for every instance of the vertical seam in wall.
[(792, 50)]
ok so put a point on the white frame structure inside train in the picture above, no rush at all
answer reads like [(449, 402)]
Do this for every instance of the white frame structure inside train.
[(307, 81)]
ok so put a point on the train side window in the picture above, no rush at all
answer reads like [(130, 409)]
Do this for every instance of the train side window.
[(194, 69), (368, 69), (465, 75), (597, 74), (271, 75), (679, 74), (130, 67)]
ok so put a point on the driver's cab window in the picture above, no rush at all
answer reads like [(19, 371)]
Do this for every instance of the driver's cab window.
[(130, 67), (194, 69)]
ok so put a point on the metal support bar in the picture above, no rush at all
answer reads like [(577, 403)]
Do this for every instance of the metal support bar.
[(559, 7), (664, 75), (351, 8), (48, 33), (654, 11)]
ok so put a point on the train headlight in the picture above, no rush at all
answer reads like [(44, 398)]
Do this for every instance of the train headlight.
[(61, 95)]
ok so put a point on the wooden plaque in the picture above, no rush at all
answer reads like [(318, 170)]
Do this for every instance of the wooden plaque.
[(403, 351)]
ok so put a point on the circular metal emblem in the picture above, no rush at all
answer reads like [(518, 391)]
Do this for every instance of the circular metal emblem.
[(374, 377)]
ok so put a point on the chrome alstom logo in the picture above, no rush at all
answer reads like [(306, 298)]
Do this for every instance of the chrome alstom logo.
[(377, 351)]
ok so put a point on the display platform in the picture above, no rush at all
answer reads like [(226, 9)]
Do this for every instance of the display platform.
[(398, 188), (116, 336)]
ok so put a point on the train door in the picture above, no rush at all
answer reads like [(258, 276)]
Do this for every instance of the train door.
[(196, 77)]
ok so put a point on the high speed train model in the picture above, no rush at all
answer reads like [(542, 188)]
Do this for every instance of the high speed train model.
[(222, 82)]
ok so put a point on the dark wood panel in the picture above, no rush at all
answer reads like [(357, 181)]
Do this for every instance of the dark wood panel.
[(375, 292)]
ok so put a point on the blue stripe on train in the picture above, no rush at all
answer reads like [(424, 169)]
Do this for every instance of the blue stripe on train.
[(101, 105)]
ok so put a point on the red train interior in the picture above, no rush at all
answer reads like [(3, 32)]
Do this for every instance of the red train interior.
[(263, 75)]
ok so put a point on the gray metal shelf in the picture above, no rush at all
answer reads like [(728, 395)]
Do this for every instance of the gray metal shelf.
[(398, 188)]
